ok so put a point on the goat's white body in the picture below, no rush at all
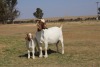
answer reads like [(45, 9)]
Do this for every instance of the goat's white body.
[(49, 36)]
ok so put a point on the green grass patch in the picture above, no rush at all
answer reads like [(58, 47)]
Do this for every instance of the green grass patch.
[(82, 48)]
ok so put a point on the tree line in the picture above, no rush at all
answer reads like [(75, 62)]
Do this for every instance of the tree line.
[(8, 11)]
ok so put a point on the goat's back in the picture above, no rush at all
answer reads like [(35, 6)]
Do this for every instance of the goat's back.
[(51, 35)]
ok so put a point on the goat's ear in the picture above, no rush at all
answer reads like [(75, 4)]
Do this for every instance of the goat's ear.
[(26, 38), (26, 33)]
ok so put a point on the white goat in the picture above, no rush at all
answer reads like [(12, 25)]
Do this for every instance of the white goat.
[(49, 36), (30, 43)]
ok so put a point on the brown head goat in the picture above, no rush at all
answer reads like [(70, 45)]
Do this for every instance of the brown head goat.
[(30, 44)]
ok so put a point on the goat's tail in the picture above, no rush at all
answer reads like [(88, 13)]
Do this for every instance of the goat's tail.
[(61, 26)]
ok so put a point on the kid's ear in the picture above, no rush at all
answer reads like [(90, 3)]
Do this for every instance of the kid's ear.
[(26, 38)]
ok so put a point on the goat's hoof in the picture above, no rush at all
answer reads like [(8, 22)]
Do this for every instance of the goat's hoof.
[(28, 57), (45, 56), (62, 52), (40, 56), (33, 57)]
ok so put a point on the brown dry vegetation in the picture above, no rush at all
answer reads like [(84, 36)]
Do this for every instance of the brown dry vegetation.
[(82, 46)]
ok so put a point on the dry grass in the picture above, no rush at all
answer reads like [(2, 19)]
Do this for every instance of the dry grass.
[(81, 39)]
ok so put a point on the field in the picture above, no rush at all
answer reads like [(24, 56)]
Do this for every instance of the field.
[(81, 40)]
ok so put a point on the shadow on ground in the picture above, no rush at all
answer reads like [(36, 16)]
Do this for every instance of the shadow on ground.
[(37, 53)]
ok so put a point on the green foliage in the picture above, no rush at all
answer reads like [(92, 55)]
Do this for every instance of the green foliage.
[(8, 12), (2, 10), (38, 14), (12, 11), (99, 10)]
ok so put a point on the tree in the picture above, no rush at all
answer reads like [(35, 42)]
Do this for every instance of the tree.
[(8, 12), (2, 11), (38, 14), (99, 13), (12, 11)]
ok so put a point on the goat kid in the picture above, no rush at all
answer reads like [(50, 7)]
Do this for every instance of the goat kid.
[(30, 44)]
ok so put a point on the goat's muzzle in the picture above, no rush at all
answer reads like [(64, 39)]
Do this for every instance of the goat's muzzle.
[(27, 38)]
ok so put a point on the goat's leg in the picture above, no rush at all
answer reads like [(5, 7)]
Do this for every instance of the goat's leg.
[(33, 52), (46, 47), (57, 46), (40, 49), (62, 45), (28, 54), (40, 52)]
